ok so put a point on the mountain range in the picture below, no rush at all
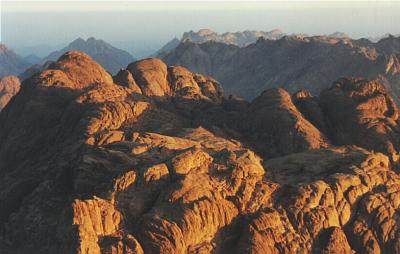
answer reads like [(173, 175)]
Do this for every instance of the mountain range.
[(240, 39), (237, 38), (291, 62), (110, 57), (157, 160)]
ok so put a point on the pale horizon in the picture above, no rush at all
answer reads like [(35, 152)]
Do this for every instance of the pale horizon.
[(150, 25)]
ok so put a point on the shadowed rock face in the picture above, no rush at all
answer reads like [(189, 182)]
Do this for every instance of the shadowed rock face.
[(273, 119), (292, 62), (156, 160), (361, 112)]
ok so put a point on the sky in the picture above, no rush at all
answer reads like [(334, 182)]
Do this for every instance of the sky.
[(145, 26)]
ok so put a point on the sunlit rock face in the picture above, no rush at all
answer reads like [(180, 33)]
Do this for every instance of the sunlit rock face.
[(9, 86), (156, 160)]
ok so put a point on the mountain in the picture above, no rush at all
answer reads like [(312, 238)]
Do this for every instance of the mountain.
[(171, 45), (9, 87), (32, 59), (157, 160), (111, 58), (292, 62), (240, 39), (10, 62)]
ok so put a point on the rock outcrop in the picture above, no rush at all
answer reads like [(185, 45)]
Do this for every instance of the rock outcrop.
[(361, 112), (276, 127), (9, 86), (156, 160)]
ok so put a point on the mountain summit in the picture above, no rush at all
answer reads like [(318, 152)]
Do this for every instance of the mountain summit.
[(111, 58)]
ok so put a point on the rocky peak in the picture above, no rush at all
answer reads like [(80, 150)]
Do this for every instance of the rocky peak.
[(205, 32), (82, 70), (152, 76), (111, 58), (157, 80), (77, 42)]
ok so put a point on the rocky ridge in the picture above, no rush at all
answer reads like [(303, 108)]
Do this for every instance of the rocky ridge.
[(292, 62), (240, 39), (157, 160)]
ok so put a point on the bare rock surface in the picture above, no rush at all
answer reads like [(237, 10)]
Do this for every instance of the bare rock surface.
[(273, 119), (156, 160), (9, 86), (361, 112)]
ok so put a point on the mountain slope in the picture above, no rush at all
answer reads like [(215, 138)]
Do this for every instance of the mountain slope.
[(169, 46), (111, 58), (291, 62), (156, 160), (10, 62)]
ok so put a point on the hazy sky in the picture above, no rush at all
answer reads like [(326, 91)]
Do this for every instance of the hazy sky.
[(151, 24)]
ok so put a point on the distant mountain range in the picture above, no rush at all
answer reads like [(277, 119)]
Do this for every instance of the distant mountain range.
[(237, 38), (292, 62), (240, 39), (108, 56)]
